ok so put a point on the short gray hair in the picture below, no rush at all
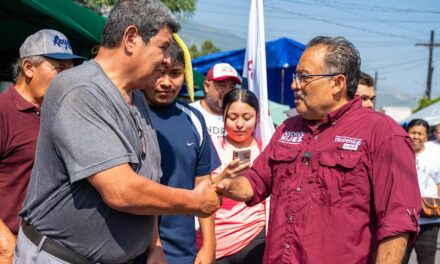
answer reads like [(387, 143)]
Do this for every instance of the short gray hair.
[(17, 67), (149, 16), (342, 57)]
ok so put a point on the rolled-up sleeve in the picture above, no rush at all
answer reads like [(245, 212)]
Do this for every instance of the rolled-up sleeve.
[(394, 180)]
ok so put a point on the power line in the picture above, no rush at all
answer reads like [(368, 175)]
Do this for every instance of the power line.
[(394, 65), (342, 25), (401, 68), (351, 10), (277, 16), (375, 8)]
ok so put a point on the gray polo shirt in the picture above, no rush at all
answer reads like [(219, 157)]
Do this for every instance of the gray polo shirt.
[(87, 127)]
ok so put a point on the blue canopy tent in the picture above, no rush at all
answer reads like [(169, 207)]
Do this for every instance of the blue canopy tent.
[(282, 56)]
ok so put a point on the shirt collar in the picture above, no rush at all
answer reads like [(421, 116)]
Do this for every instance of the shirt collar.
[(336, 115), (21, 103)]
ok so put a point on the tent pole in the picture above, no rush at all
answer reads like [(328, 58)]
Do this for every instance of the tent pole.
[(282, 85)]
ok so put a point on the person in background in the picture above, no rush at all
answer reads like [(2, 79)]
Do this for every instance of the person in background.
[(428, 175), (342, 179), (220, 79), (239, 230), (436, 141), (43, 55), (94, 192), (187, 158), (365, 90)]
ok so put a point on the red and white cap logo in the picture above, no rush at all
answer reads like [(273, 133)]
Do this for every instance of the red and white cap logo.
[(222, 71)]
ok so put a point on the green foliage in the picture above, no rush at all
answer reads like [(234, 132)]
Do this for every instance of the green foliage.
[(207, 48), (194, 51), (425, 102), (99, 6), (179, 7)]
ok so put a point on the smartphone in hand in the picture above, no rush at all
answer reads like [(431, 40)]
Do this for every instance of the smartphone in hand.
[(244, 155)]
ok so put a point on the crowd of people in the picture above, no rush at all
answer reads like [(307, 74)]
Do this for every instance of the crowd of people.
[(112, 168)]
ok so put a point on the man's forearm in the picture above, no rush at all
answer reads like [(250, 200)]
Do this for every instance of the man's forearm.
[(392, 249), (135, 194), (7, 244), (237, 188), (207, 226)]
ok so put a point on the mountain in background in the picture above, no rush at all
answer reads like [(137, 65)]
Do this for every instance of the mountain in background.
[(386, 96), (195, 33)]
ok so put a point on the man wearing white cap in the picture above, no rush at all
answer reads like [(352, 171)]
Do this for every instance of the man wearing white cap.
[(221, 78), (42, 56)]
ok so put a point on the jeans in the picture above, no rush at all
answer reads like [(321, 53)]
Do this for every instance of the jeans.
[(425, 245)]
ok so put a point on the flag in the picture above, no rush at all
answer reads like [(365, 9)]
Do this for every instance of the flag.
[(255, 69)]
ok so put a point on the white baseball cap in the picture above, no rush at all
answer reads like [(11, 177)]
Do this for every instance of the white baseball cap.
[(222, 71)]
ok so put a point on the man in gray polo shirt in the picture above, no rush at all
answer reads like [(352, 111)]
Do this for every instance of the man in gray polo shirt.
[(93, 192)]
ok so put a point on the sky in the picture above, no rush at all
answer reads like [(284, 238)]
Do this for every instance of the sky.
[(385, 33)]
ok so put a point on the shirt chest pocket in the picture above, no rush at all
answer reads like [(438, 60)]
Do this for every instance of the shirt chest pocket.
[(283, 167), (339, 173)]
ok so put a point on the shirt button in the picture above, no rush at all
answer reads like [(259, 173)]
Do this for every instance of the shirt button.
[(315, 137), (333, 123), (290, 218), (286, 246), (298, 189)]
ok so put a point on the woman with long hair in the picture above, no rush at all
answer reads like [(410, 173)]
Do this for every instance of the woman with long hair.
[(239, 229)]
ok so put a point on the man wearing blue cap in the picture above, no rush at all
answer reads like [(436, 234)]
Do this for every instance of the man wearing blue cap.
[(42, 56)]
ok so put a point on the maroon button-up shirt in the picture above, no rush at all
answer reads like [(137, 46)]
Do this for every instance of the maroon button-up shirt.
[(19, 127), (336, 189)]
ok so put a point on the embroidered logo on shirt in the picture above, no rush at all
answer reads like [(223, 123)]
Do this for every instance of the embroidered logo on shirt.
[(291, 137), (349, 143), (189, 143)]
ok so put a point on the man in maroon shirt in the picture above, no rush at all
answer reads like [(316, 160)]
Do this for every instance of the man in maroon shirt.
[(42, 56), (341, 178)]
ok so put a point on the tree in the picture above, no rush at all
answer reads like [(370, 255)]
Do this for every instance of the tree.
[(194, 51), (181, 8), (425, 102), (207, 48)]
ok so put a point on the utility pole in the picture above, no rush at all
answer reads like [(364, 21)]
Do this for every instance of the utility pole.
[(375, 88), (375, 81), (431, 46)]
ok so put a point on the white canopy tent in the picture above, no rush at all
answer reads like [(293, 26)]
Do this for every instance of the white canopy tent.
[(431, 114)]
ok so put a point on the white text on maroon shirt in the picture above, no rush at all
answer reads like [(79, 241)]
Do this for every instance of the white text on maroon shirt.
[(291, 137)]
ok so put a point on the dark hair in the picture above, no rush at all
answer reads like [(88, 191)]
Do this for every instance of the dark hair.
[(343, 58), (149, 16), (366, 79), (239, 95), (176, 54), (418, 122)]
